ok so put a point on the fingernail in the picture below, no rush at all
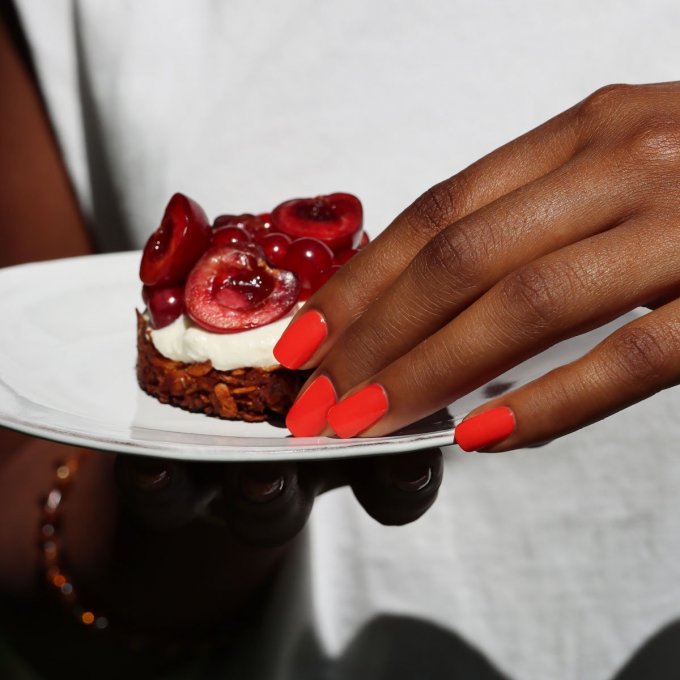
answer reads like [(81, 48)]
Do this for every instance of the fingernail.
[(359, 411), (411, 476), (262, 488), (307, 416), (485, 429), (301, 339)]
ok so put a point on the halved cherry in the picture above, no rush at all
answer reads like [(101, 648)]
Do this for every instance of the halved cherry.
[(164, 304), (252, 248), (336, 219), (232, 289), (172, 250)]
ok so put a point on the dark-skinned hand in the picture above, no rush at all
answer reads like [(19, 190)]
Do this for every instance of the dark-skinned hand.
[(199, 542), (553, 234)]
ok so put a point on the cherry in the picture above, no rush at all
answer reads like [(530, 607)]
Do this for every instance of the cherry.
[(327, 275), (164, 304), (365, 240), (308, 259), (237, 289), (306, 293), (232, 289), (250, 247), (245, 221), (336, 219), (253, 224), (172, 250), (345, 256), (266, 219), (229, 236), (275, 247)]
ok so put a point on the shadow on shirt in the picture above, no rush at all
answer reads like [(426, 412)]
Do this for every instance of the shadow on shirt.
[(395, 647), (657, 659), (401, 648), (386, 648)]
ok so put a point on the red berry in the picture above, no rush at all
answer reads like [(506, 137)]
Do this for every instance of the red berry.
[(229, 236), (275, 247), (345, 256), (306, 293), (336, 219), (253, 224), (309, 260), (364, 240), (171, 251), (261, 235), (231, 289), (327, 275), (245, 221), (250, 247), (164, 304), (266, 220)]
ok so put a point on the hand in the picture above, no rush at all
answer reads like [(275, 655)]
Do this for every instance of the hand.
[(556, 233), (200, 541), (267, 504)]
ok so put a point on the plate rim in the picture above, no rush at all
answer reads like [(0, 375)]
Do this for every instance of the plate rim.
[(308, 448)]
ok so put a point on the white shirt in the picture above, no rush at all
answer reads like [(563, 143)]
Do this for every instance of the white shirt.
[(554, 563)]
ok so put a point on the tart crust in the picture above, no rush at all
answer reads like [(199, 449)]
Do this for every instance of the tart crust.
[(252, 394)]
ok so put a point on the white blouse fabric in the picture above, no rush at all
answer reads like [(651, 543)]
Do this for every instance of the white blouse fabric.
[(553, 563)]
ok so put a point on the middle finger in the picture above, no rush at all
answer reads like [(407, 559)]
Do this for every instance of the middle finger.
[(581, 198), (555, 297)]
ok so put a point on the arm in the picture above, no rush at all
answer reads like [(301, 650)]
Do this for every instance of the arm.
[(39, 219), (39, 216)]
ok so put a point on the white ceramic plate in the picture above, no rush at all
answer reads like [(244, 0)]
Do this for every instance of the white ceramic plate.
[(67, 358)]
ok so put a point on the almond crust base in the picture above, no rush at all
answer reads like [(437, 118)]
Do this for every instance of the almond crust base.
[(252, 394)]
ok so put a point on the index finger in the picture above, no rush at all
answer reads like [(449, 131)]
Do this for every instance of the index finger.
[(348, 294)]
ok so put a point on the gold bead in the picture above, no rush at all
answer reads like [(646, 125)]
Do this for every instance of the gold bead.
[(63, 472)]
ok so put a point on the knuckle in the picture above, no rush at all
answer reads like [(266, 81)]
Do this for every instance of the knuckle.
[(438, 206), (262, 517), (601, 104), (639, 354), (656, 141), (453, 260), (359, 352), (537, 294)]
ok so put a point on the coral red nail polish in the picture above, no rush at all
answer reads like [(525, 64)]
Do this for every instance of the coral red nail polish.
[(307, 416), (301, 339), (359, 411), (485, 429)]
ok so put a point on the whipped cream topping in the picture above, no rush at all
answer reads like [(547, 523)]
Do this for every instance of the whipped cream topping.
[(184, 341)]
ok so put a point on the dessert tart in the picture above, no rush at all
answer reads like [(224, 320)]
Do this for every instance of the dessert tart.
[(218, 297)]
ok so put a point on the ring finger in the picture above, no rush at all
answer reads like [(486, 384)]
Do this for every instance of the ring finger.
[(466, 259), (557, 296)]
